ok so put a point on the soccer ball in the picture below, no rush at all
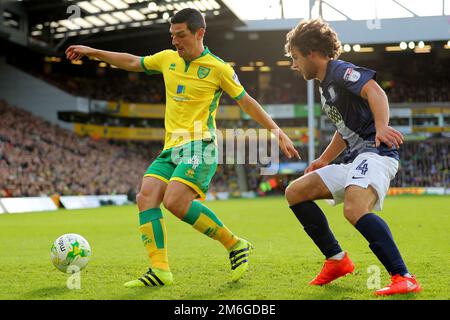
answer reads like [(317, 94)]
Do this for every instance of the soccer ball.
[(70, 253)]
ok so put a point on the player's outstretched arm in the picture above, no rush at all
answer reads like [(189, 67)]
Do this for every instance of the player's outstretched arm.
[(254, 110), (121, 60), (379, 106)]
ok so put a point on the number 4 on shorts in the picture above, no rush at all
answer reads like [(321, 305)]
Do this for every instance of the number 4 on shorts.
[(363, 166)]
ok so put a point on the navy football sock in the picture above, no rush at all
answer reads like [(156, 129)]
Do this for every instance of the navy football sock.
[(381, 242), (316, 226)]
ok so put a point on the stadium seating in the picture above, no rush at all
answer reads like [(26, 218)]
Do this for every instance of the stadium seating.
[(38, 158), (401, 77)]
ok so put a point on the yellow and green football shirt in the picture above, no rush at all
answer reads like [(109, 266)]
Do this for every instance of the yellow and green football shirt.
[(193, 90)]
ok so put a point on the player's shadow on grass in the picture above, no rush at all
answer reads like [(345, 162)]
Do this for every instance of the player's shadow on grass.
[(332, 292), (218, 292), (221, 291), (46, 293), (342, 292), (144, 293), (407, 296)]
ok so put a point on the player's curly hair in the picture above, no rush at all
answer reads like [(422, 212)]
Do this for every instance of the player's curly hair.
[(313, 35)]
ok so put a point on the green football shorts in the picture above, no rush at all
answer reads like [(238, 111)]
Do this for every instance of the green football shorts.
[(193, 163)]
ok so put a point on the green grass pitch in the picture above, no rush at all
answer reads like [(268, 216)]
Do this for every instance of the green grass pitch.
[(281, 266)]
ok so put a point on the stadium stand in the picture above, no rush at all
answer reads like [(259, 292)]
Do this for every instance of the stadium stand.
[(39, 158), (424, 163), (31, 149), (401, 76)]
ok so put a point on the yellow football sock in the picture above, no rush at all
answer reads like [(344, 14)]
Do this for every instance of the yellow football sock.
[(206, 222), (153, 232)]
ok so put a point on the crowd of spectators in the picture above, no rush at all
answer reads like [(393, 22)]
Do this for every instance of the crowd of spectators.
[(416, 80), (40, 158), (225, 180), (120, 85), (424, 164), (404, 78)]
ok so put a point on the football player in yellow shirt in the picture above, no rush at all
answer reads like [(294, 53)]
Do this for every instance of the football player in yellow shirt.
[(194, 81)]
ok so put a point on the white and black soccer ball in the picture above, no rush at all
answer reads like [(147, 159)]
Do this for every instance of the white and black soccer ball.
[(70, 253)]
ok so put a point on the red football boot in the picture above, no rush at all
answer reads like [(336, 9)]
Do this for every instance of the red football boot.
[(333, 269), (400, 285)]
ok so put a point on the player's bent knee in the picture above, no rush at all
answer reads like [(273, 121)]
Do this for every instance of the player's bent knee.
[(288, 192), (295, 193), (348, 212), (146, 194), (174, 206), (169, 204), (354, 213), (149, 199), (140, 198)]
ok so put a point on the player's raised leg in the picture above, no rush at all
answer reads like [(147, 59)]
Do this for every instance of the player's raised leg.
[(153, 233), (179, 199), (300, 195), (358, 204)]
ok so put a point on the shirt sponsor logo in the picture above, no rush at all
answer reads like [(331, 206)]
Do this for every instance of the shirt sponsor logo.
[(180, 99), (172, 66), (351, 75), (181, 89)]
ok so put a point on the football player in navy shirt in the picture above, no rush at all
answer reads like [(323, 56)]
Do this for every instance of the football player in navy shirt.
[(359, 109)]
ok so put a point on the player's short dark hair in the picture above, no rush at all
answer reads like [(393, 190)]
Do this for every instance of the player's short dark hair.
[(313, 35), (193, 18)]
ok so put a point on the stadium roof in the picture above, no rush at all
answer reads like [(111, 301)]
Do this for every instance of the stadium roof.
[(50, 24), (356, 21), (70, 18), (337, 10)]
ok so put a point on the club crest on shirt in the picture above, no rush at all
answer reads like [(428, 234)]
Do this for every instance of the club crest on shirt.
[(203, 72), (351, 75)]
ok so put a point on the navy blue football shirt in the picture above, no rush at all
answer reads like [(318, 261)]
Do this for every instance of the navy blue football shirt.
[(341, 101)]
